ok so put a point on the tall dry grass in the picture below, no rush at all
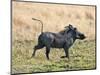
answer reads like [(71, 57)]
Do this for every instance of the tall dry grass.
[(54, 16)]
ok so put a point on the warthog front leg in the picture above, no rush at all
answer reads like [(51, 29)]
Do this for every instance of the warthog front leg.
[(47, 52), (66, 53)]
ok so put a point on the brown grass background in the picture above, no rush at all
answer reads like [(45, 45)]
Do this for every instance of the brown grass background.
[(54, 16)]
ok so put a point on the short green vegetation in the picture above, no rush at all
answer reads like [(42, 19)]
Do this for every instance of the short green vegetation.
[(82, 56)]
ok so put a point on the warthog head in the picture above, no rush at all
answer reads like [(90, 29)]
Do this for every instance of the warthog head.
[(77, 34)]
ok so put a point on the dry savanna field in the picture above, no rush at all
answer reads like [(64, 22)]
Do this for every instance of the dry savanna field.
[(55, 17)]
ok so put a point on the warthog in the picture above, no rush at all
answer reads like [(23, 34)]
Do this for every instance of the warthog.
[(63, 39)]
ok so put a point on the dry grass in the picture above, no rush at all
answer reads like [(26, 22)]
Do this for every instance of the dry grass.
[(55, 17)]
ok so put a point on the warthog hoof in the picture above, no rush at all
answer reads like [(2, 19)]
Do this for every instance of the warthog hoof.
[(63, 57)]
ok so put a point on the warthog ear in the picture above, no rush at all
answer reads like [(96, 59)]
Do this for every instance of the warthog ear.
[(70, 26)]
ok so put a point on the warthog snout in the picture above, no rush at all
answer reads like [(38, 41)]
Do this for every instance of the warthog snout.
[(82, 36)]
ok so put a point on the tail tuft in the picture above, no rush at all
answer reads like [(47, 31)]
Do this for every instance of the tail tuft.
[(40, 22)]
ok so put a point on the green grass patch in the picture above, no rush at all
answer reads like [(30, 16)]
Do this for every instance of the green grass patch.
[(81, 56)]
